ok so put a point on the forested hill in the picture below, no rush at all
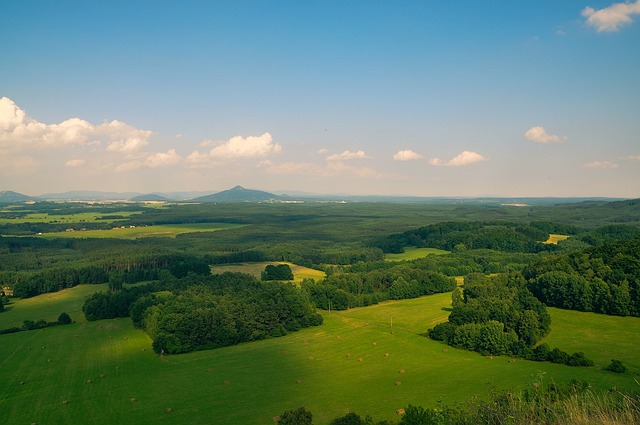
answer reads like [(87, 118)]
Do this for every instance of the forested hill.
[(501, 236)]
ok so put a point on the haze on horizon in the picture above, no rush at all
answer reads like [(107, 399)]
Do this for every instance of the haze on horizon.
[(416, 98)]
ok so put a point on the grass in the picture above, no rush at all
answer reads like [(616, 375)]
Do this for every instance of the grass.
[(554, 239), (412, 253), (317, 367), (165, 230), (88, 217), (256, 269)]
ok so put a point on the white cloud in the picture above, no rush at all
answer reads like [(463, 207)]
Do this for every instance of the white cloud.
[(18, 131), (163, 159), (611, 18), (348, 155), (75, 163), (539, 134), (245, 147), (406, 155), (464, 158), (603, 165), (634, 157)]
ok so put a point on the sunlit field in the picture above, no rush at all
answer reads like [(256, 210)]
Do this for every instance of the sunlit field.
[(554, 239), (412, 253), (133, 232), (256, 269), (370, 360)]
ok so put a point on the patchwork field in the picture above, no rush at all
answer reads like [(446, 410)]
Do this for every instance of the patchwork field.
[(256, 269), (412, 253), (88, 217), (370, 360), (165, 230)]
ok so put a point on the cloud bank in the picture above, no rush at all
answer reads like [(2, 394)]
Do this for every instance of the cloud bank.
[(603, 165), (347, 156), (611, 18)]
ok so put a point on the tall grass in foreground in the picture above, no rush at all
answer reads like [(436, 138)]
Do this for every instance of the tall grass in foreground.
[(574, 404)]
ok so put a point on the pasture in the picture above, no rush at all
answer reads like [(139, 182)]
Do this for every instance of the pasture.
[(256, 269), (132, 232), (412, 253), (370, 360)]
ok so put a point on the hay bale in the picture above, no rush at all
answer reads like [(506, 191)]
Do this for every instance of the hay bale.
[(386, 354), (209, 370), (490, 357), (401, 371), (397, 383), (65, 402), (21, 382), (512, 360), (310, 357), (168, 410), (48, 360), (375, 343), (360, 359), (133, 400), (299, 381), (276, 419), (89, 381), (445, 350), (227, 382), (102, 375), (400, 412), (349, 354)]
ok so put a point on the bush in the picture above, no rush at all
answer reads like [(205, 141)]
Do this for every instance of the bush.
[(64, 319), (616, 366), (299, 416)]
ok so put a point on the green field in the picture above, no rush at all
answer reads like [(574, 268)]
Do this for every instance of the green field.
[(412, 253), (89, 372), (88, 217), (164, 230), (256, 269)]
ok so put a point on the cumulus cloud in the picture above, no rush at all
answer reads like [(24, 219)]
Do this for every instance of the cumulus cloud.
[(611, 18), (603, 165), (152, 160), (245, 147), (539, 135), (406, 155), (634, 157), (75, 163), (464, 158), (347, 156), (19, 131)]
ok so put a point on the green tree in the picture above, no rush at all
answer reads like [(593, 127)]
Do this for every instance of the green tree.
[(299, 416), (64, 319)]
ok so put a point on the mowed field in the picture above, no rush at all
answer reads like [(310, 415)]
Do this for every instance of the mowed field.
[(164, 230), (369, 360), (412, 253), (88, 217), (256, 269), (554, 239)]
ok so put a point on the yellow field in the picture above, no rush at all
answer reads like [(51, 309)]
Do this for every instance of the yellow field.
[(413, 253), (554, 239), (255, 269)]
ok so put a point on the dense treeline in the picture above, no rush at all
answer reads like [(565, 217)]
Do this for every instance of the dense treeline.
[(340, 291), (197, 312), (500, 236), (603, 279), (499, 316)]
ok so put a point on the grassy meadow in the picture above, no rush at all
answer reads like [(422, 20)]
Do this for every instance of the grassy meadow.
[(369, 360), (554, 238), (163, 230), (412, 253), (87, 217), (256, 269)]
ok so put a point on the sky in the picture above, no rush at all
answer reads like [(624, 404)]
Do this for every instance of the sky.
[(424, 98)]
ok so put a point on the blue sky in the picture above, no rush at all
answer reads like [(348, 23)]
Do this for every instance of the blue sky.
[(427, 98)]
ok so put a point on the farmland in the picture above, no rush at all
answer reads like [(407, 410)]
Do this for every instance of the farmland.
[(372, 360), (336, 368)]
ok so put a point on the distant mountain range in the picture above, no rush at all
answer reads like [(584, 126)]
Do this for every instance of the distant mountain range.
[(240, 194)]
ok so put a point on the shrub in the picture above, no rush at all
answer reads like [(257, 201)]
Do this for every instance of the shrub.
[(616, 366)]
